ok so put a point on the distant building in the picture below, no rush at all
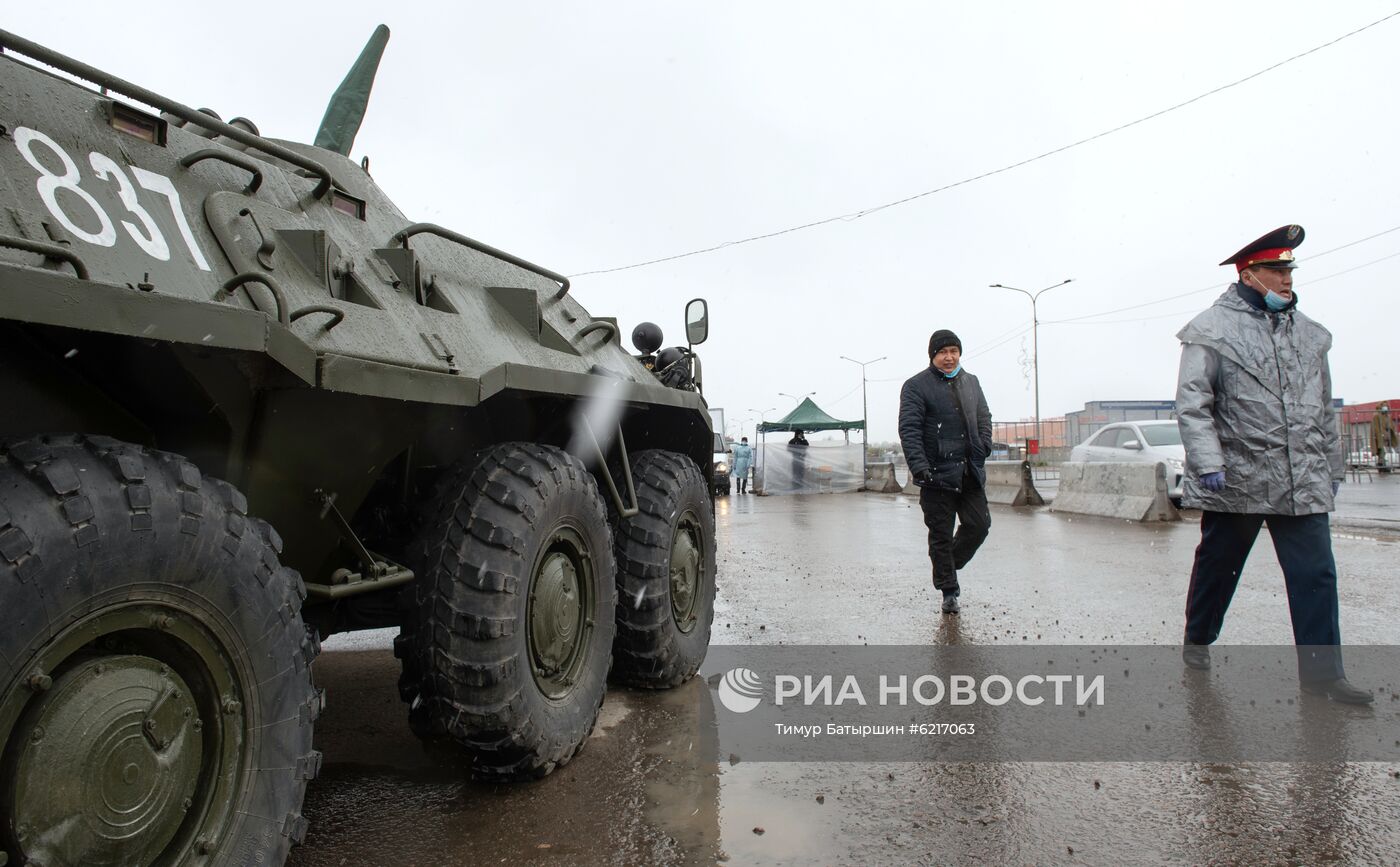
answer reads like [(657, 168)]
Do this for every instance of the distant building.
[(1075, 427), (1354, 422)]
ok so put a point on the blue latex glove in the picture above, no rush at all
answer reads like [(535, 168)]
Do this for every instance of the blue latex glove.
[(1213, 481), (1336, 486)]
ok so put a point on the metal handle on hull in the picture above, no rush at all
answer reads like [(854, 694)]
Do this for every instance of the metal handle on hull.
[(337, 315), (52, 251), (402, 236), (278, 295), (597, 325), (238, 160), (52, 58)]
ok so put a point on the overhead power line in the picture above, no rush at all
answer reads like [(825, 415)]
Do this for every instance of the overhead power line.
[(1078, 319), (1021, 330), (865, 212), (993, 345), (1216, 286), (1356, 268), (1184, 313)]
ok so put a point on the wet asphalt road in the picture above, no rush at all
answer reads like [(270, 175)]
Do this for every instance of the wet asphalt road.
[(849, 569)]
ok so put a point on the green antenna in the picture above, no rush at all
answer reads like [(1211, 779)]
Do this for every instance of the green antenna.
[(347, 107)]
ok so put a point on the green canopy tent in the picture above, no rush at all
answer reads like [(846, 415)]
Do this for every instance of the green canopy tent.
[(808, 417)]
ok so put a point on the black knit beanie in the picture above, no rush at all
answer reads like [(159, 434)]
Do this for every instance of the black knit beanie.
[(941, 338)]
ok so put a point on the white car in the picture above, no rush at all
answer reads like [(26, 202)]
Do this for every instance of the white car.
[(721, 458), (1157, 441)]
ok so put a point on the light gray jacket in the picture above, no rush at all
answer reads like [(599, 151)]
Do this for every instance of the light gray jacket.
[(1254, 399)]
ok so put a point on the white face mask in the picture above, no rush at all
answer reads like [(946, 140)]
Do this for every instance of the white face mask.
[(1275, 301), (1272, 300)]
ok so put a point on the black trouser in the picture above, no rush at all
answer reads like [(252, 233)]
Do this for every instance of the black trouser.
[(950, 552), (743, 480), (1303, 544)]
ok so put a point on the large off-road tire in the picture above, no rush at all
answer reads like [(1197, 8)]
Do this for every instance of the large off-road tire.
[(508, 640), (665, 574), (156, 703)]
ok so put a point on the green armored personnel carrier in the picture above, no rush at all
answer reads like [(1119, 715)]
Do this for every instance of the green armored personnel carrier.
[(245, 404)]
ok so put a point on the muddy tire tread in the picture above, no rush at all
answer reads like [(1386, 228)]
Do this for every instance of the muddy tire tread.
[(463, 663), (649, 651), (107, 492)]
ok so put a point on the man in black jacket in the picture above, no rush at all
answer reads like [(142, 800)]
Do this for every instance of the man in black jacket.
[(946, 430)]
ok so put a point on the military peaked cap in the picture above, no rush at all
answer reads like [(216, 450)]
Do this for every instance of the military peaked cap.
[(1274, 250)]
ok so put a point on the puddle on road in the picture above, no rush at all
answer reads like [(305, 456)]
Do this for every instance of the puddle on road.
[(644, 790), (649, 789), (610, 716), (793, 830)]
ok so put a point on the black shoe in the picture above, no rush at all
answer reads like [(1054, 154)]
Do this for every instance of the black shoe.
[(950, 603), (1196, 656), (1339, 690)]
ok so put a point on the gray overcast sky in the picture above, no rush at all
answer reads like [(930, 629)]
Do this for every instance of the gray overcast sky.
[(590, 136)]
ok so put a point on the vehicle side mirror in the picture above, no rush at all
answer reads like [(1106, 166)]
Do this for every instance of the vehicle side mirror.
[(697, 321), (1133, 444)]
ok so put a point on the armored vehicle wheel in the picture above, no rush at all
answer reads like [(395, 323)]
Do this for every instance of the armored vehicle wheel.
[(507, 646), (666, 574), (156, 701)]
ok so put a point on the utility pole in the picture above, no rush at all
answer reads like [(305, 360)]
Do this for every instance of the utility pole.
[(1035, 341), (864, 414)]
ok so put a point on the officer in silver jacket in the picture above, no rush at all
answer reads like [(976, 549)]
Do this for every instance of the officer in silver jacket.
[(1254, 403)]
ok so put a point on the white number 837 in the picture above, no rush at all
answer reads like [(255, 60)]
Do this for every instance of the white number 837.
[(147, 236)]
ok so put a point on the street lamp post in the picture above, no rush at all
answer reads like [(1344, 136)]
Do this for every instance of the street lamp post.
[(762, 417), (796, 397), (864, 413), (762, 413), (1035, 341)]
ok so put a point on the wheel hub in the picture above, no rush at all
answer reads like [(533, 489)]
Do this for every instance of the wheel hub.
[(108, 761), (686, 573), (557, 613), (561, 598)]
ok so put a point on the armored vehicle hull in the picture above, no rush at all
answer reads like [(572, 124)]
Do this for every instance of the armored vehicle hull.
[(246, 403)]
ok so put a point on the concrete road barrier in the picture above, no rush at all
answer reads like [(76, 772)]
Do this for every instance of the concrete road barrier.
[(880, 478), (1132, 491), (1010, 484)]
